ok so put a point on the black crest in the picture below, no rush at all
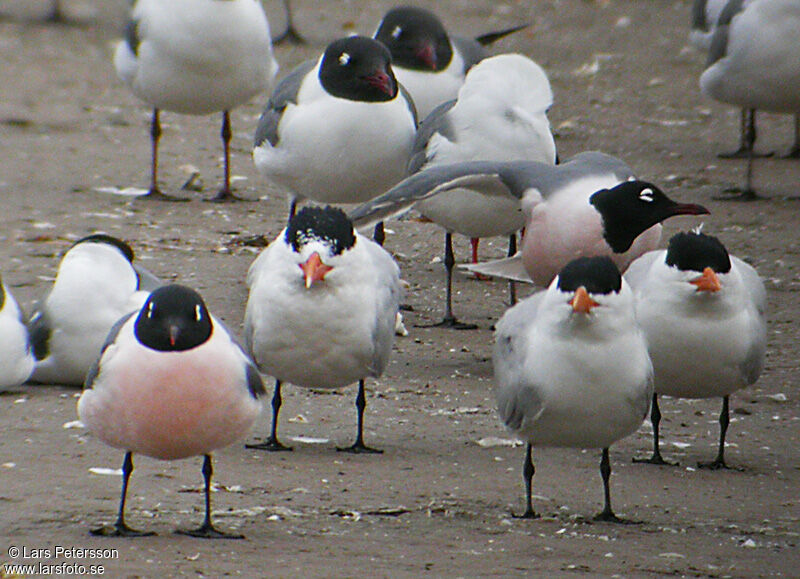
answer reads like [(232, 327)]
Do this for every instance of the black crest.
[(126, 249), (328, 224), (691, 251), (632, 207), (416, 38), (599, 275), (358, 68), (174, 318)]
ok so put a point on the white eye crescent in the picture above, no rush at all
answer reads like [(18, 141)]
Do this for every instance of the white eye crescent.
[(198, 313), (344, 59), (150, 310), (396, 32), (646, 195)]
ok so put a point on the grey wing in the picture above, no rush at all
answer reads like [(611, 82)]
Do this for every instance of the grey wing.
[(254, 383), (39, 330), (481, 176), (146, 280), (638, 271), (388, 299), (436, 122), (94, 370), (515, 398), (472, 51), (131, 35), (719, 40), (284, 93), (754, 361), (699, 16), (589, 162), (409, 103)]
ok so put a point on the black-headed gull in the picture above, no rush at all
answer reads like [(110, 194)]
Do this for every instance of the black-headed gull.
[(428, 61), (196, 57), (571, 366), (500, 115), (702, 311), (590, 205), (15, 346), (96, 284), (338, 129), (321, 310), (754, 63), (170, 383)]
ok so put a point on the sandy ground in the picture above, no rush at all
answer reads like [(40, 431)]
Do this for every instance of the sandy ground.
[(439, 500)]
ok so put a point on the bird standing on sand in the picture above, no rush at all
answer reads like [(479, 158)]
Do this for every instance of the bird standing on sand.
[(170, 383), (196, 57), (321, 310), (702, 311), (571, 367)]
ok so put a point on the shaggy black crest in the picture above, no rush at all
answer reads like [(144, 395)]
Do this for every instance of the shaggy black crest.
[(328, 224), (696, 251), (599, 275), (103, 238)]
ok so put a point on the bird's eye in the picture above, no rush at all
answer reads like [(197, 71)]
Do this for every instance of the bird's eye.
[(344, 59), (198, 313), (396, 32), (646, 195), (150, 310)]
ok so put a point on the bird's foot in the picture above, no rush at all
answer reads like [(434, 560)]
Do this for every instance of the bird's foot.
[(793, 153), (655, 459), (119, 529), (271, 444), (608, 516), (290, 36), (716, 464), (450, 323), (208, 531), (225, 195), (736, 194), (744, 153), (359, 447), (528, 514), (155, 194)]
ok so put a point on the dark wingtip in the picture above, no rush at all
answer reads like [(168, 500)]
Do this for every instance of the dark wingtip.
[(492, 37)]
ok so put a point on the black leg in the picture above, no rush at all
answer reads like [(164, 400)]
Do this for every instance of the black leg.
[(512, 285), (655, 419), (290, 35), (747, 193), (724, 421), (155, 136), (794, 152), (225, 194), (207, 529), (747, 127), (450, 320), (120, 529), (528, 470), (272, 443), (379, 235), (359, 446), (607, 514)]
